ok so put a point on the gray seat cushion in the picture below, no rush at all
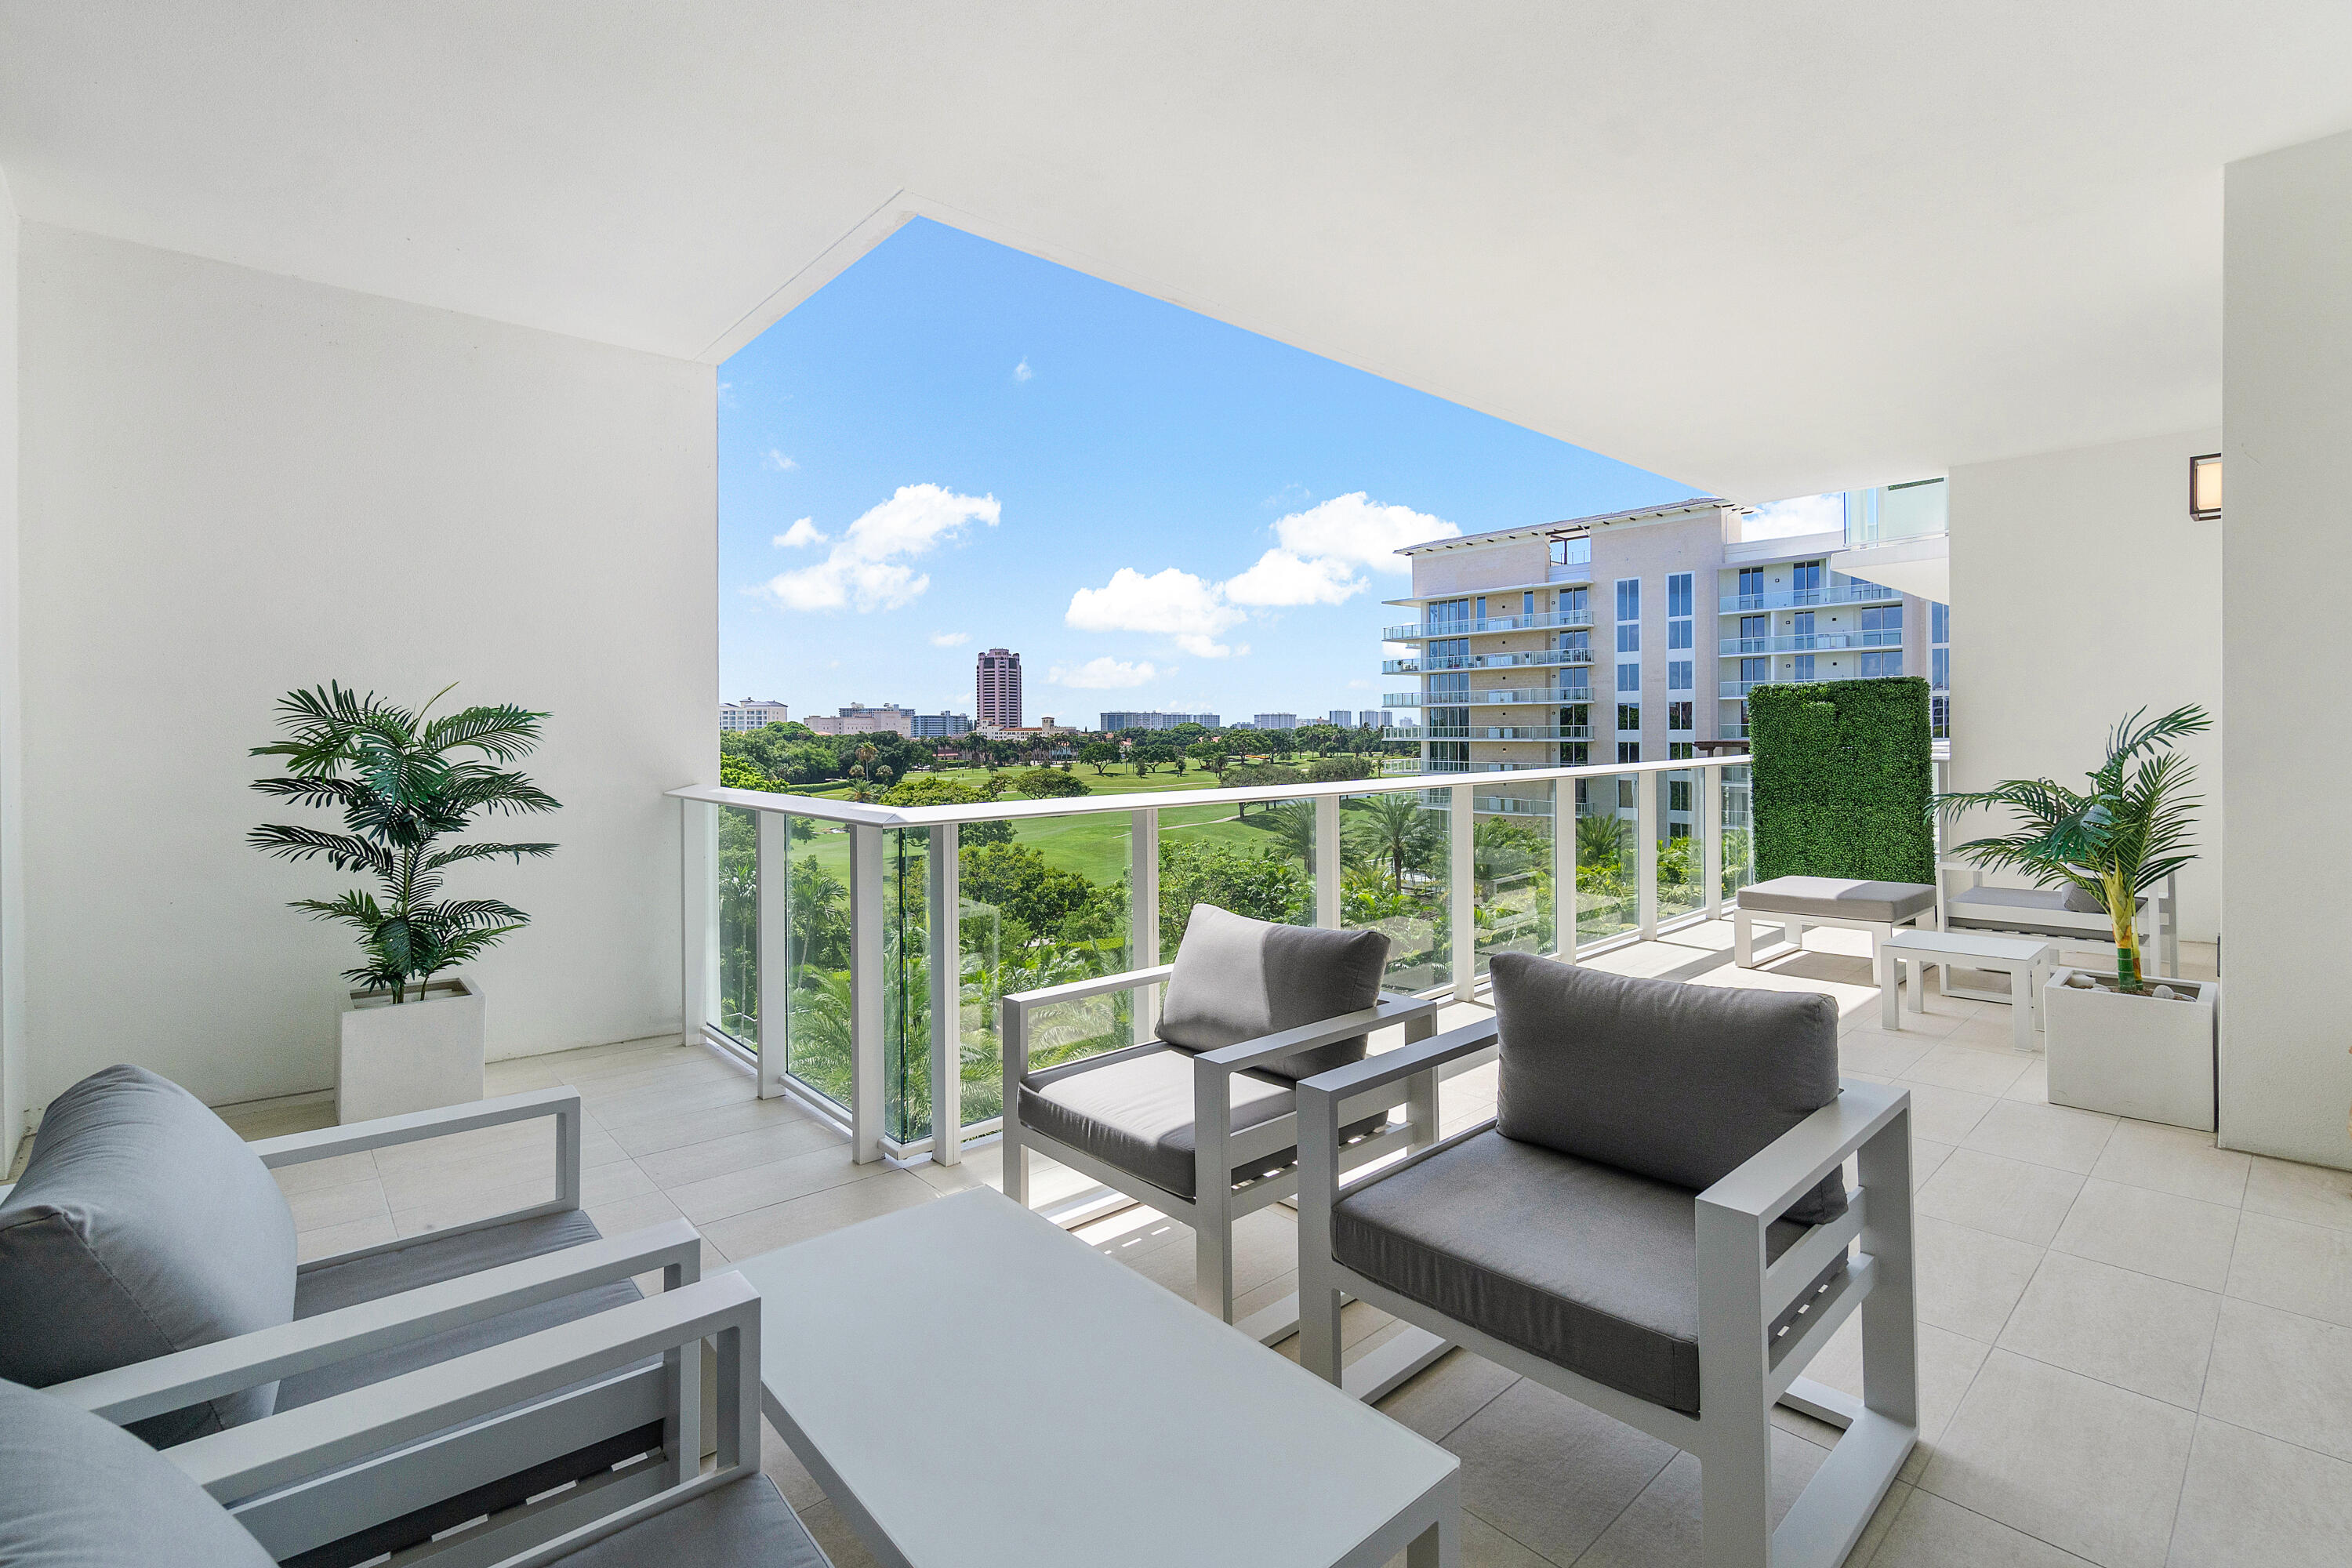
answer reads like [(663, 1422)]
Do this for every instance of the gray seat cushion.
[(745, 1525), (142, 1225), (1136, 1112), (1679, 1083), (1592, 1269), (1838, 898), (1238, 979), (2042, 912), (82, 1493), (432, 1259)]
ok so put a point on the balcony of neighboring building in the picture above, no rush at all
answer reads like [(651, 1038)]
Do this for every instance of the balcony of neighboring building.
[(1532, 658), (1487, 732), (1898, 535), (1422, 631), (1852, 592), (1733, 690), (1808, 642)]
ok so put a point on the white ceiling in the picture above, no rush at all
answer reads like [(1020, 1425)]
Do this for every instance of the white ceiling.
[(1767, 250)]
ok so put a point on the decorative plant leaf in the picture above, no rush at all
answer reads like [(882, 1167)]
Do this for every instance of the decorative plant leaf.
[(402, 792)]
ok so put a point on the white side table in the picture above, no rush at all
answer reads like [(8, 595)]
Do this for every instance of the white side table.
[(2027, 961)]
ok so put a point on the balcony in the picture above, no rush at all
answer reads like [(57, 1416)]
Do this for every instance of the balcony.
[(1806, 642), (1537, 659), (1489, 732), (1417, 631), (1853, 592), (1732, 690)]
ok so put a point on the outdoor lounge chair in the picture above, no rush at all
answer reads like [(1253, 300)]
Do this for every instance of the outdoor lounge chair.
[(1199, 1123), (2053, 914), (147, 1251), (81, 1491), (1656, 1224)]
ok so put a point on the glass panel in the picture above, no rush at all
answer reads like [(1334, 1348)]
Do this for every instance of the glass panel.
[(1682, 881), (906, 983), (1395, 849), (818, 1049), (1510, 871), (1739, 841), (979, 931), (1054, 891), (739, 924), (1606, 903)]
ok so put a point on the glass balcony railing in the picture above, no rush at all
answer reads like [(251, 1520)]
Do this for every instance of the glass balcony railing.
[(856, 953), (1417, 631), (1893, 513), (1487, 732), (1535, 658), (1731, 690), (1806, 642), (1851, 591)]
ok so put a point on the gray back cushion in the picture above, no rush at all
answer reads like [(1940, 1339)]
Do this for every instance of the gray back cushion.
[(83, 1493), (142, 1225), (1238, 979), (1679, 1083)]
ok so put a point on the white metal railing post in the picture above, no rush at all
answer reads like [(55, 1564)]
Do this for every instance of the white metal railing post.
[(774, 859), (1645, 851), (1710, 830), (1326, 861), (1463, 891), (945, 892), (1143, 918), (1563, 868), (866, 978), (698, 917)]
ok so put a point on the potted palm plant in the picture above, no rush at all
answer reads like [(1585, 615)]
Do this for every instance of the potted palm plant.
[(413, 1034), (2129, 1043)]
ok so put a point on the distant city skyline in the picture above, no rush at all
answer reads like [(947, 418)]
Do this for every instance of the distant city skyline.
[(955, 446)]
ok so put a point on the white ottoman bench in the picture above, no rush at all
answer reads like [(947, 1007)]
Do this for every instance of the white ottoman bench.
[(1792, 903), (2026, 960)]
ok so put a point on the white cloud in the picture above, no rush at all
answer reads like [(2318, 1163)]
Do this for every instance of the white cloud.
[(950, 640), (1170, 603), (863, 568), (1805, 514), (1360, 531), (778, 461), (1103, 674), (800, 534), (1282, 578), (1022, 372)]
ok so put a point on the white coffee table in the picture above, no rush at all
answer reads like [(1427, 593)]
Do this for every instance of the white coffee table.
[(2027, 961), (973, 1385)]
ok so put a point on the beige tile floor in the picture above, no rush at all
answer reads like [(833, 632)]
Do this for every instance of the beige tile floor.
[(2136, 1349)]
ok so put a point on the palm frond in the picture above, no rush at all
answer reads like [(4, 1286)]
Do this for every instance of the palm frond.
[(457, 852), (342, 851), (503, 732)]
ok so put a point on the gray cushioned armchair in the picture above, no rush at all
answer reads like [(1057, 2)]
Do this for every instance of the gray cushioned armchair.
[(1656, 1223), (1199, 1122), (148, 1274)]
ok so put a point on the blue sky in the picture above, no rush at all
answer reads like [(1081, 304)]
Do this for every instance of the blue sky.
[(955, 445)]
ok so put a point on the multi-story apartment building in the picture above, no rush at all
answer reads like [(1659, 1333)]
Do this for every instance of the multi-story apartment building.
[(996, 689), (751, 714), (940, 726), (1339, 716), (1631, 637), (1276, 720), (1374, 719), (858, 719), (1112, 724)]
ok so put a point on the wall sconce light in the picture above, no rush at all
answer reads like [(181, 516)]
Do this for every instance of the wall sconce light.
[(2205, 488)]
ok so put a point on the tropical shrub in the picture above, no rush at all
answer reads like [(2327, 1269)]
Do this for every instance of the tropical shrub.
[(1264, 885), (1049, 783)]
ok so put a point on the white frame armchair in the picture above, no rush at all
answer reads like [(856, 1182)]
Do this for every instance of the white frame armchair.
[(1218, 1150), (2089, 931), (1744, 1366)]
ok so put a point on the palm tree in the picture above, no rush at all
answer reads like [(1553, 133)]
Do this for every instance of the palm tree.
[(1599, 840), (1394, 827), (868, 776), (1293, 825), (2124, 835)]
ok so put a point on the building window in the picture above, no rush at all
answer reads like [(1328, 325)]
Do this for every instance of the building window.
[(1573, 754), (1678, 831), (1629, 716), (1751, 582), (1629, 637), (1804, 670), (1571, 551), (1678, 634), (1629, 678), (1679, 716), (1805, 576), (1629, 598), (1886, 662), (1940, 661), (1883, 618), (1677, 794), (1755, 626), (1678, 674), (1802, 624), (1939, 622), (1629, 752), (1753, 670), (1678, 594), (1576, 604), (1445, 611), (1576, 642), (1680, 750), (1940, 718)]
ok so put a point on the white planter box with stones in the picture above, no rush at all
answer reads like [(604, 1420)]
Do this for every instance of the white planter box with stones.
[(2142, 1056), (410, 1055)]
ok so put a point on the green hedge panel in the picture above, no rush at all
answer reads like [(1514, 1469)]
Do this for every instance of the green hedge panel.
[(1841, 776)]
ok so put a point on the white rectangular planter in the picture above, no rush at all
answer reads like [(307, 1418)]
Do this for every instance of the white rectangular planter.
[(410, 1055), (2132, 1056)]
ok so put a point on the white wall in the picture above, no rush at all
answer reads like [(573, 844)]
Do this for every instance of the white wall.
[(2287, 405), (13, 1079), (2081, 590), (235, 483)]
